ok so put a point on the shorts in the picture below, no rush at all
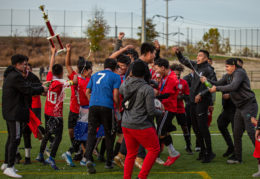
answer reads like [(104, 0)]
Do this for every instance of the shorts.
[(164, 124), (73, 118), (181, 119)]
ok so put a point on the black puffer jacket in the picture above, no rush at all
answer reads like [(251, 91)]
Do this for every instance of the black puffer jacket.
[(204, 69), (16, 94)]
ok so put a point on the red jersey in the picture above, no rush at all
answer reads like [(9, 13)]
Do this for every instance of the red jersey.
[(55, 95), (82, 88), (183, 89), (169, 85), (36, 102), (74, 103)]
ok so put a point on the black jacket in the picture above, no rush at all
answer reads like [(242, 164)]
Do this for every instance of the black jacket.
[(197, 87), (16, 96), (238, 85)]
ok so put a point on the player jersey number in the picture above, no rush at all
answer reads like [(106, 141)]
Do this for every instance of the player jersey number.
[(102, 75), (52, 97)]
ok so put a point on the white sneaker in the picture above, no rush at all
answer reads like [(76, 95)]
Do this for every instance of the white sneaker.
[(3, 166), (197, 149), (11, 173), (159, 161)]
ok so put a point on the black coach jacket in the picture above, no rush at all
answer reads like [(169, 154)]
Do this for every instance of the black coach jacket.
[(204, 69), (16, 95)]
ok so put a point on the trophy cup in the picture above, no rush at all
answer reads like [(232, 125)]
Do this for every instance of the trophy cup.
[(53, 35)]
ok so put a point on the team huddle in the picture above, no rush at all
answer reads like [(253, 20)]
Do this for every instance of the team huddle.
[(127, 109)]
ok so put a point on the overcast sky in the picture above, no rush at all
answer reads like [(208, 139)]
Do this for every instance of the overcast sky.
[(196, 13), (241, 13)]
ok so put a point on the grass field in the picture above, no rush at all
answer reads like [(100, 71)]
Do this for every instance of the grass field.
[(185, 167)]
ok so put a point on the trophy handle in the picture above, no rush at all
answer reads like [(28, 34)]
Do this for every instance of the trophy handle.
[(42, 7)]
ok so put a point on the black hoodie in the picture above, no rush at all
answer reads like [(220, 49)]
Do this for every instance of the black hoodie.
[(16, 92)]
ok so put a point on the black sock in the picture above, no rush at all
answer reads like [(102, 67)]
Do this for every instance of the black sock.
[(117, 148), (103, 148)]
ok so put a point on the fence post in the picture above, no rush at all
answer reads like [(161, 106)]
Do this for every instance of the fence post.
[(132, 24), (191, 36), (178, 36), (252, 47), (29, 20), (240, 41), (257, 41), (81, 23), (235, 40), (64, 27), (115, 26), (11, 22), (246, 43)]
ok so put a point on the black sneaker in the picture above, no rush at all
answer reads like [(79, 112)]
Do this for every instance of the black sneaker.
[(27, 161), (109, 165), (201, 156), (18, 157), (189, 151), (78, 157), (233, 160), (101, 158), (90, 167), (209, 157), (229, 151)]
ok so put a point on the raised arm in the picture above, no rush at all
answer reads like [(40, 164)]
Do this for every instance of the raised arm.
[(53, 52), (157, 47), (68, 59), (118, 44), (185, 61), (117, 53)]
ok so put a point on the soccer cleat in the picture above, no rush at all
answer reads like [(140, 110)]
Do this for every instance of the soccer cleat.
[(233, 160), (171, 160), (159, 161), (27, 161), (139, 162), (11, 173), (68, 159), (197, 149), (189, 151), (4, 166), (83, 163), (90, 167), (78, 157), (18, 157), (47, 152), (51, 161), (228, 152), (109, 165), (257, 174), (101, 158), (201, 156), (209, 157), (40, 158), (119, 160)]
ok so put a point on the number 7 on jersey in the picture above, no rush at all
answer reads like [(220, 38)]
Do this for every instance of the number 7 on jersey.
[(102, 75)]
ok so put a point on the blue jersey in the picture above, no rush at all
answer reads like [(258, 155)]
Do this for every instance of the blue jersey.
[(102, 85)]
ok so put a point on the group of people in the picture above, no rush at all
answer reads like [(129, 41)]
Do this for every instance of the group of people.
[(131, 101)]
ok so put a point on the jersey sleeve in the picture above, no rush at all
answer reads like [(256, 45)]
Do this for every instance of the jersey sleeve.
[(89, 86), (49, 76), (186, 89), (117, 82), (71, 76)]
